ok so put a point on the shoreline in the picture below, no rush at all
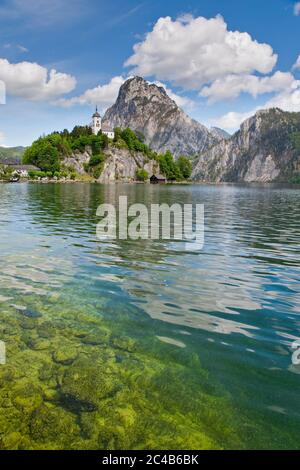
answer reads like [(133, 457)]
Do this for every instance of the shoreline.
[(171, 183)]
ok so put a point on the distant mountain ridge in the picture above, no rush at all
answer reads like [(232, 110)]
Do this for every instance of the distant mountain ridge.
[(220, 133), (11, 154), (147, 108), (265, 149)]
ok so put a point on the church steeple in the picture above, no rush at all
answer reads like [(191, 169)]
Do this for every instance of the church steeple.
[(96, 122), (96, 114)]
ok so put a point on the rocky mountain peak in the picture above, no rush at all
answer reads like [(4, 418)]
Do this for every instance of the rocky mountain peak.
[(148, 109), (266, 148)]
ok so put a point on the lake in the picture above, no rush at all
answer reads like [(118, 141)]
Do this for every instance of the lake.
[(145, 344)]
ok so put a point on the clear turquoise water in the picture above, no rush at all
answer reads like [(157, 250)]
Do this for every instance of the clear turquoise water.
[(142, 344)]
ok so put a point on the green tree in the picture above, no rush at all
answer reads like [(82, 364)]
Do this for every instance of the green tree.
[(185, 167), (142, 175), (169, 167), (44, 154)]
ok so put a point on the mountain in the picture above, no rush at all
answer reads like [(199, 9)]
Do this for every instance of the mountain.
[(11, 154), (266, 148), (147, 108), (220, 133)]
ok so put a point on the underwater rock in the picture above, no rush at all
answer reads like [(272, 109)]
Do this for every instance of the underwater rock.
[(39, 344), (65, 355), (26, 397), (51, 395), (46, 330), (11, 441), (96, 338), (46, 373), (28, 323), (85, 385), (8, 374), (51, 423), (28, 313), (124, 344)]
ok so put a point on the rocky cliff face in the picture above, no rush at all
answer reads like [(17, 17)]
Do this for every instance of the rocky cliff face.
[(266, 148), (148, 109), (120, 164)]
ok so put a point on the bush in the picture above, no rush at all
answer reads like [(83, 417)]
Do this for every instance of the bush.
[(142, 175), (295, 180), (37, 174), (96, 159)]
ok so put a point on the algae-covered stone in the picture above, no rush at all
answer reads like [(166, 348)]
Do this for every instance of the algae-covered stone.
[(28, 323), (39, 344), (51, 395), (29, 313), (11, 441), (113, 438), (52, 423), (97, 337), (124, 344), (46, 372), (46, 330), (84, 385), (65, 355), (26, 397)]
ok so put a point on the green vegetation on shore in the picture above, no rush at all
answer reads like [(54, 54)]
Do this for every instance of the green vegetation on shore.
[(49, 152)]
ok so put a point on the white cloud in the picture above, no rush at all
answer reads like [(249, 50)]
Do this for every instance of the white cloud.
[(18, 46), (233, 85), (231, 121), (288, 100), (297, 9), (2, 137), (103, 95), (192, 52), (22, 48), (33, 82), (296, 66)]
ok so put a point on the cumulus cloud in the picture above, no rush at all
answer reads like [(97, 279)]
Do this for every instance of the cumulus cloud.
[(287, 100), (233, 85), (297, 9), (102, 95), (33, 82), (2, 137), (193, 52), (231, 121), (296, 66)]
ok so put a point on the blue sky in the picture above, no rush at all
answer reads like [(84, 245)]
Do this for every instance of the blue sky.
[(220, 60)]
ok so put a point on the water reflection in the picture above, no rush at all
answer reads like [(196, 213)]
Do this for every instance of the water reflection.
[(235, 304)]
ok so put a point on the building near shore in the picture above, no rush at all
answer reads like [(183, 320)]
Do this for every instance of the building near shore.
[(96, 126), (158, 179), (23, 170)]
